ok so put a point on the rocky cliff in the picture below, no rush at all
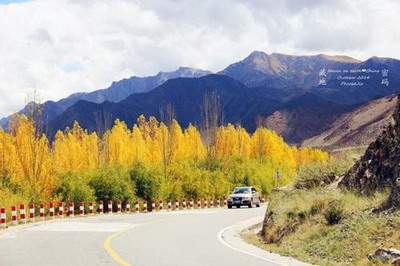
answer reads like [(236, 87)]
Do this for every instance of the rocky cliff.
[(379, 167)]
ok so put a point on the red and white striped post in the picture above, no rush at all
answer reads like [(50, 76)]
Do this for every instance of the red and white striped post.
[(81, 208), (184, 204), (110, 210), (191, 204), (137, 208), (144, 206), (32, 212), (153, 206), (91, 207), (51, 210), (128, 207), (218, 202), (42, 212), (101, 207), (14, 215), (22, 215), (205, 203), (198, 204), (169, 205), (177, 205), (3, 221), (61, 209), (119, 206), (225, 202), (212, 203), (161, 206), (71, 211)]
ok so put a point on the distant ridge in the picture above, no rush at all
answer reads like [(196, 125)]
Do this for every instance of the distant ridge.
[(356, 128), (116, 92)]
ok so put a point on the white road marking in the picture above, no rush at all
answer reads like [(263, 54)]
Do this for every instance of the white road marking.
[(222, 240)]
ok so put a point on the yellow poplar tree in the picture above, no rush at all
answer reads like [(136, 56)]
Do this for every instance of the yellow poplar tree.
[(33, 167)]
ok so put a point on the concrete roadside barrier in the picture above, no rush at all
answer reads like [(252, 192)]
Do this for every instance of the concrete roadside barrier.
[(42, 212), (51, 210), (101, 207), (61, 209), (71, 209), (110, 207), (3, 219), (81, 208), (119, 206), (14, 215), (31, 212), (22, 215), (191, 204), (91, 208)]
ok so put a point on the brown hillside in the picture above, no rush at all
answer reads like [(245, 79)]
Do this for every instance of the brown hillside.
[(358, 127)]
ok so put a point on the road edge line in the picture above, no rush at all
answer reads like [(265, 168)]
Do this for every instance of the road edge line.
[(224, 242)]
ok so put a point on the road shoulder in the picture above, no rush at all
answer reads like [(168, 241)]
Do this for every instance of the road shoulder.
[(230, 237)]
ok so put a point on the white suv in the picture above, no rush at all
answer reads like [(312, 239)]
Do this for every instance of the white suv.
[(244, 196)]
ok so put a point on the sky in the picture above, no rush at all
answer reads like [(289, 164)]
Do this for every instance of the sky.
[(61, 47)]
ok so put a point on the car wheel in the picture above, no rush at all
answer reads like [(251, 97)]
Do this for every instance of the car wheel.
[(258, 205), (229, 206), (251, 204)]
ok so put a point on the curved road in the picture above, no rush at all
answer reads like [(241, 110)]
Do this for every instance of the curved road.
[(189, 238)]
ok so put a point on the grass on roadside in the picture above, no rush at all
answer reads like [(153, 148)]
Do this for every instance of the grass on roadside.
[(328, 227)]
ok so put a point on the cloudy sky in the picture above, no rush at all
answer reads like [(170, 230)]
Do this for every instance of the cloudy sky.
[(66, 46)]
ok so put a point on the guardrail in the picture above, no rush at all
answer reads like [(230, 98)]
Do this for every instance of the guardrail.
[(60, 210)]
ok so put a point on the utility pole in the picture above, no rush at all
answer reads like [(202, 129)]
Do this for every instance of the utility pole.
[(277, 177)]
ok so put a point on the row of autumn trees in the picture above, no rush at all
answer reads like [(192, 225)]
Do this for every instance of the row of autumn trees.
[(152, 160)]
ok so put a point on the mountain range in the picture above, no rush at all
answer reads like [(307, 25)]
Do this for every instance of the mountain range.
[(298, 96), (116, 92)]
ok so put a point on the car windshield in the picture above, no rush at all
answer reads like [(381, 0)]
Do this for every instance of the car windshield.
[(242, 190)]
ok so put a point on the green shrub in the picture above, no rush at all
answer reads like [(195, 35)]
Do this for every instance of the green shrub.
[(146, 182), (333, 214), (74, 187), (302, 215), (112, 183), (317, 206)]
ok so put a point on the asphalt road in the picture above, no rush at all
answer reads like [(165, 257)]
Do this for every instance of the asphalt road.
[(187, 238)]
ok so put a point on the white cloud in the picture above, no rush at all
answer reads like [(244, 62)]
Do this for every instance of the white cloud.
[(66, 46)]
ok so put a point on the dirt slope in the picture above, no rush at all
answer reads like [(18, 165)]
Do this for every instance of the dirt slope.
[(358, 127)]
